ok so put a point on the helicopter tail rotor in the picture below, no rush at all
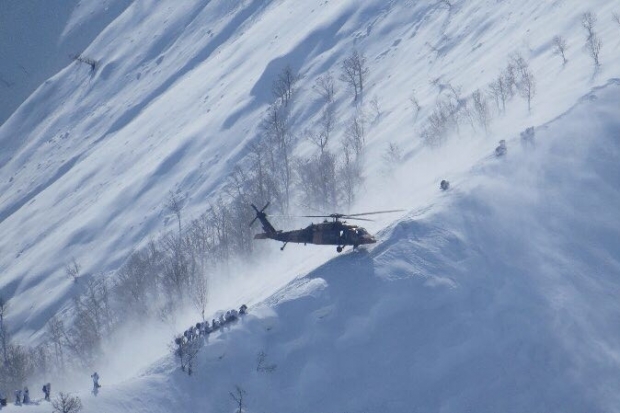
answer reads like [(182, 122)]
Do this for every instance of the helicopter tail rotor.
[(259, 213)]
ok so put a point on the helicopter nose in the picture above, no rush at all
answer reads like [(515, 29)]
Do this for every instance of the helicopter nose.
[(369, 239)]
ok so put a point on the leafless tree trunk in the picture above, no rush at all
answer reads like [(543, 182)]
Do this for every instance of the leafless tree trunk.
[(593, 45), (325, 87), (275, 128), (525, 82), (355, 134), (416, 106), (87, 60), (4, 334), (199, 294), (237, 396), (560, 47), (261, 364), (283, 87), (588, 20), (73, 270), (354, 72), (499, 91), (186, 350), (593, 42), (481, 108), (56, 333), (174, 204), (176, 275)]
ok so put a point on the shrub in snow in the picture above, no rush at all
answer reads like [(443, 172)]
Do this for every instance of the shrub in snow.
[(65, 403)]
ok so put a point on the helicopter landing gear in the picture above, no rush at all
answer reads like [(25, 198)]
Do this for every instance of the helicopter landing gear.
[(282, 248), (339, 248)]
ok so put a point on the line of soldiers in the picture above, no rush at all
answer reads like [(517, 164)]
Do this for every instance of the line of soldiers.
[(23, 396), (204, 329)]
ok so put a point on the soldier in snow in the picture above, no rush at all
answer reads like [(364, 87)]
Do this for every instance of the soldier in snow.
[(501, 149), (47, 388), (96, 384)]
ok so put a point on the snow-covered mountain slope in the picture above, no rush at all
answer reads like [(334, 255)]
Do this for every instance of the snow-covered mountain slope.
[(38, 39), (504, 301), (89, 158), (490, 268)]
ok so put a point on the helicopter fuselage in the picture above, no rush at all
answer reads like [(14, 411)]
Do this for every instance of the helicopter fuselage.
[(335, 232), (326, 233)]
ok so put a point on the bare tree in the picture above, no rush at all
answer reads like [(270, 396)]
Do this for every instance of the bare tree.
[(499, 91), (262, 365), (276, 132), (326, 125), (355, 133), (186, 349), (97, 302), (525, 82), (137, 281), (392, 157), (481, 108), (560, 47), (317, 178), (87, 60), (65, 403), (350, 174), (325, 87), (4, 334), (73, 269), (56, 334), (588, 20), (593, 42), (593, 45), (174, 203), (317, 175), (237, 396), (199, 293), (175, 267), (416, 105), (510, 77), (283, 87), (354, 72), (376, 109), (17, 368)]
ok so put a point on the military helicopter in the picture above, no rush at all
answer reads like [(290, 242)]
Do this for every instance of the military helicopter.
[(334, 232)]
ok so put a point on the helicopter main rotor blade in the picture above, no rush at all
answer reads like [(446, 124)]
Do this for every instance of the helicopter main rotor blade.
[(360, 219), (372, 213)]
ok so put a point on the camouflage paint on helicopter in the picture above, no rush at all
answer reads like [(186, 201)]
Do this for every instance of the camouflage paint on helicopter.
[(333, 232)]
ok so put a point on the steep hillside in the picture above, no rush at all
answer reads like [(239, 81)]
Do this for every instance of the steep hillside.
[(504, 301), (477, 297), (39, 39)]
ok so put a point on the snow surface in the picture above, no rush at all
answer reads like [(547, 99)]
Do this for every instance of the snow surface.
[(498, 295)]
